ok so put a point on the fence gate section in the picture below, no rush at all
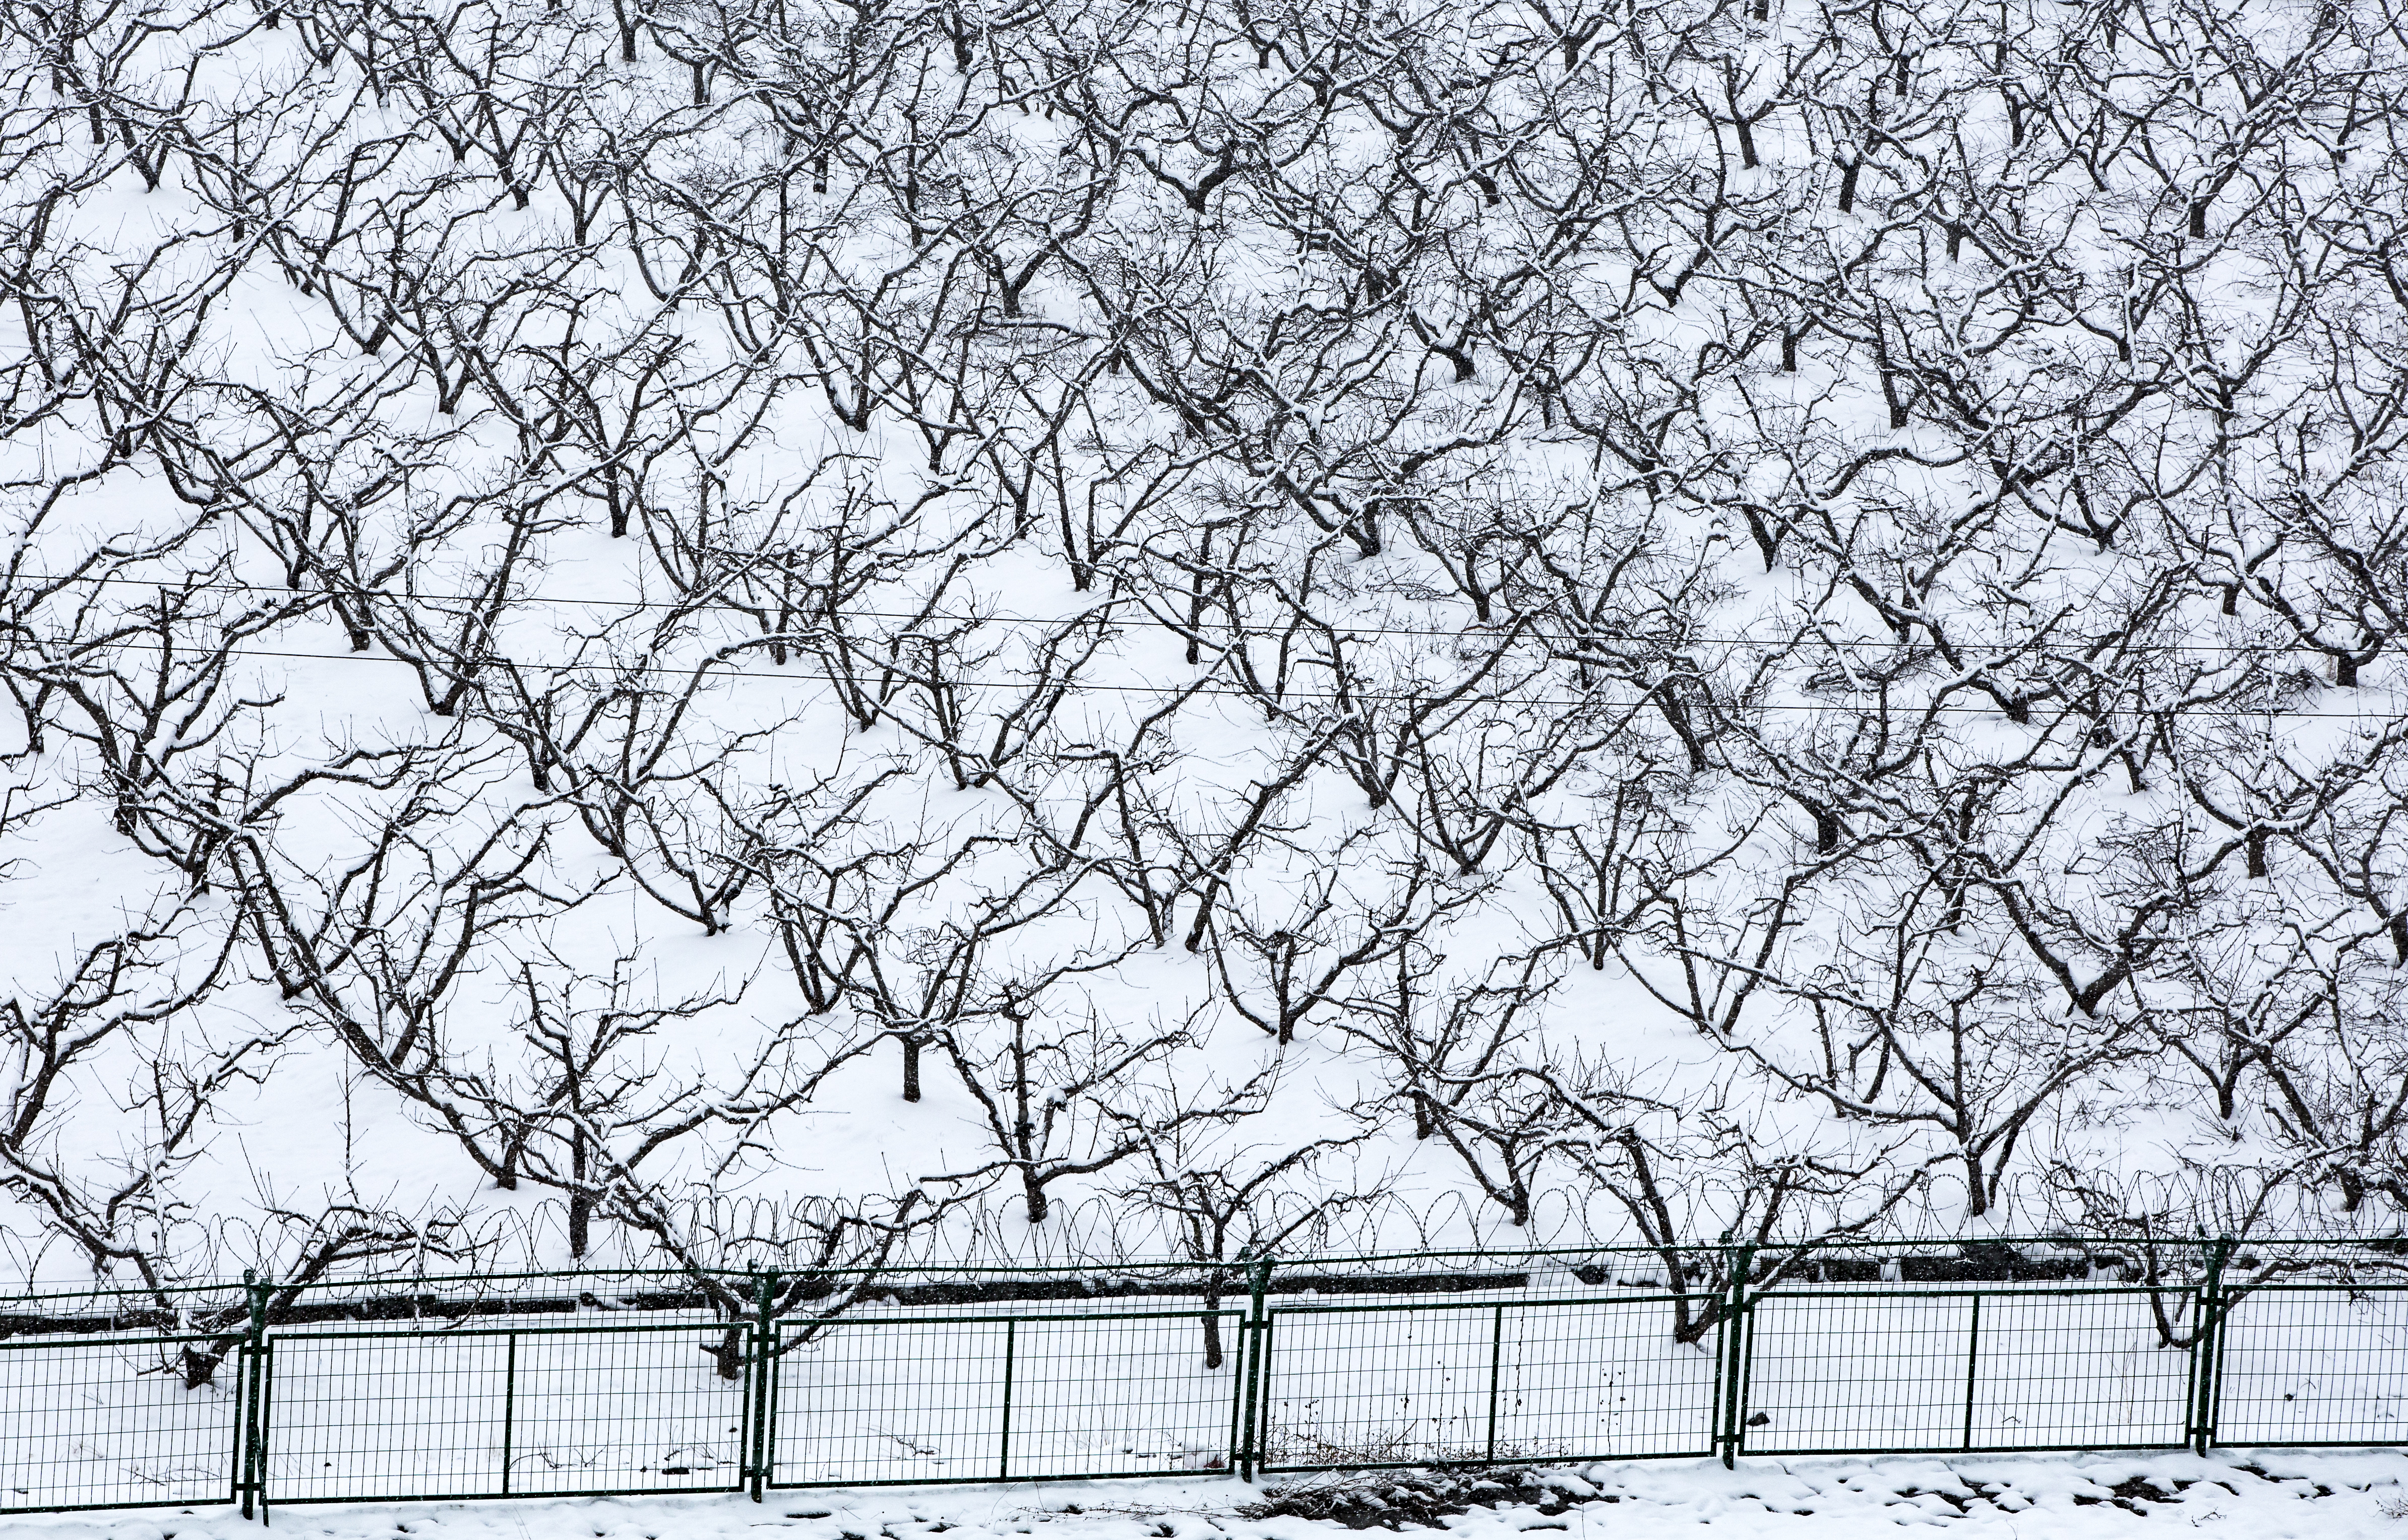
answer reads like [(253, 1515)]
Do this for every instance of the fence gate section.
[(877, 1400), (1357, 1386), (120, 1420), (2305, 1366), (1855, 1372), (522, 1411)]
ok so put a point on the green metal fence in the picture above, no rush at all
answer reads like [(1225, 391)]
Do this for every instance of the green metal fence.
[(501, 1412), (1348, 1387), (105, 1421), (1002, 1398), (1977, 1370), (545, 1385)]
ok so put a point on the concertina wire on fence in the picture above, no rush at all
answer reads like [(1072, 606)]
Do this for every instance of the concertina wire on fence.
[(1104, 1230), (629, 1382)]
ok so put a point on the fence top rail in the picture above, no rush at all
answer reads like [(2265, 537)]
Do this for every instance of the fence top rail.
[(1989, 1289), (466, 1327), (188, 1295), (79, 1340)]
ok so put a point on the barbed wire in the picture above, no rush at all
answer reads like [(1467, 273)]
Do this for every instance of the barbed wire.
[(1101, 1232)]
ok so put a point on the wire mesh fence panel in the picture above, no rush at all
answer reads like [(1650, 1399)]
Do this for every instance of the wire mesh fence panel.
[(1374, 1386), (1846, 1373), (491, 1412), (109, 1423), (1123, 1395), (2314, 1366), (1600, 1379), (386, 1415), (2078, 1371), (880, 1401), (629, 1409)]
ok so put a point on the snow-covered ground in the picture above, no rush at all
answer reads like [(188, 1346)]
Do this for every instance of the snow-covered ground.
[(2271, 1496)]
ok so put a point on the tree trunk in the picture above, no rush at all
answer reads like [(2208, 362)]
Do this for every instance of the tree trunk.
[(581, 1200), (727, 1354), (1213, 1356)]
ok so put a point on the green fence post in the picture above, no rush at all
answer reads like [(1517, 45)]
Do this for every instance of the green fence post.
[(1495, 1366), (1256, 1330), (760, 1403), (509, 1403), (1741, 1312), (254, 1364), (1720, 1412), (1972, 1356), (2207, 1350), (1010, 1347), (1732, 1393)]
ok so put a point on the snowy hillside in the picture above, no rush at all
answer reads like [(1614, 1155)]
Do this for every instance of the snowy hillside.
[(693, 630)]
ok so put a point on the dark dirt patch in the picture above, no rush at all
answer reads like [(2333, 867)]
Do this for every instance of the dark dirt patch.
[(1955, 1500), (2262, 1474), (1392, 1500), (2132, 1491)]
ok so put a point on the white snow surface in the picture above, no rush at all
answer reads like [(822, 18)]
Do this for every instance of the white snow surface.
[(2286, 1495)]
